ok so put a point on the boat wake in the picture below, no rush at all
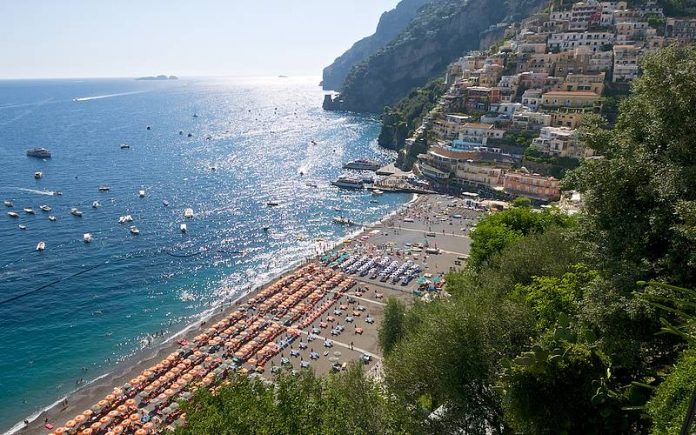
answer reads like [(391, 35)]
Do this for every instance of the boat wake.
[(38, 192), (100, 97)]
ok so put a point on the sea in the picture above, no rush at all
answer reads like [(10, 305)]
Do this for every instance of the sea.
[(223, 147)]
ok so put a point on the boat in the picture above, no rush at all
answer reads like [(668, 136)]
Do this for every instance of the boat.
[(125, 219), (22, 227), (104, 188), (29, 210), (377, 192), (57, 193), (195, 115), (348, 182), (311, 184), (96, 204), (181, 132), (125, 146), (165, 203), (75, 212), (272, 203), (134, 230), (8, 203), (183, 228), (87, 237), (52, 218), (12, 214), (41, 246), (374, 201), (141, 193), (362, 165), (343, 221), (189, 135), (38, 174), (188, 213), (41, 153), (149, 128), (266, 228), (45, 208)]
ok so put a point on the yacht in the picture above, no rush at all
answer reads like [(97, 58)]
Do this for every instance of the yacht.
[(87, 237), (38, 174), (141, 193), (8, 203), (125, 219), (125, 146), (29, 210), (362, 165), (52, 218), (348, 182), (45, 208), (272, 203), (134, 230), (22, 227), (12, 214), (183, 228), (188, 213), (41, 153), (41, 246), (377, 192), (104, 188), (75, 212), (96, 204)]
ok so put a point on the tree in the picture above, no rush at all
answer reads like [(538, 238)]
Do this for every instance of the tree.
[(392, 328)]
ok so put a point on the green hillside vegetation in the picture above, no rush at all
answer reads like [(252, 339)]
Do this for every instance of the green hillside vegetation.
[(550, 328)]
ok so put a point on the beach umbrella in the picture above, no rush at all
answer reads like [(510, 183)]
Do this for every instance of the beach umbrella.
[(96, 426), (70, 423), (87, 431), (130, 402), (104, 420), (113, 414), (80, 418), (134, 417), (59, 431), (117, 429), (140, 432), (87, 412), (122, 408)]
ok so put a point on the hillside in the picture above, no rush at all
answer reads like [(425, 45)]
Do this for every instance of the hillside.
[(439, 33), (390, 25)]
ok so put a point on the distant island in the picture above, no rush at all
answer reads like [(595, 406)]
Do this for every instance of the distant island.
[(159, 77)]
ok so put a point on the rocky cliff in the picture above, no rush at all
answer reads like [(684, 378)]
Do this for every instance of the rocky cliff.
[(390, 25), (439, 33)]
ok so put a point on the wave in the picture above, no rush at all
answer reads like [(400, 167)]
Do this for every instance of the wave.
[(38, 192), (99, 97)]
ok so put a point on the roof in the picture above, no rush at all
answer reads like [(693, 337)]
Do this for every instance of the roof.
[(478, 125), (573, 93)]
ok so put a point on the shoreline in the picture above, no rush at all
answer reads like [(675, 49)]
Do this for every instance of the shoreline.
[(85, 396)]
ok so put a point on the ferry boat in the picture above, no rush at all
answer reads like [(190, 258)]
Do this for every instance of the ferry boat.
[(41, 246), (29, 210), (41, 153), (134, 230), (12, 214), (45, 208), (362, 165), (87, 237), (104, 188), (38, 174), (8, 203), (188, 213), (348, 182), (75, 212)]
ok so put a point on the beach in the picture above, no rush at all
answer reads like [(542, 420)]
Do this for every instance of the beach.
[(431, 223)]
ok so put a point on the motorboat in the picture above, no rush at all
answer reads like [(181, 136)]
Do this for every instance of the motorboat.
[(57, 193), (195, 115), (40, 153), (377, 192), (266, 228), (29, 210), (41, 246), (141, 193), (125, 146), (8, 203), (12, 214), (188, 213), (311, 184), (134, 230), (75, 212), (104, 188), (22, 227), (374, 201), (181, 132), (348, 182), (165, 203), (189, 135), (343, 221), (183, 228), (362, 165), (52, 218), (272, 203), (38, 174), (96, 204), (45, 208), (125, 219), (87, 237)]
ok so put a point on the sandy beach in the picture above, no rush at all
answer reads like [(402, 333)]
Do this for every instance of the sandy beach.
[(427, 224)]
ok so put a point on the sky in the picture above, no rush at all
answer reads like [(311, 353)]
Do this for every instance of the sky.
[(129, 38)]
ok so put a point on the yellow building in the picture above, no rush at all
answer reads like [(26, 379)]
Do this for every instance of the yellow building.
[(570, 99)]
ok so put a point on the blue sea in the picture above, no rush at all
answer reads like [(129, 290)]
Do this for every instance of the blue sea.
[(76, 310)]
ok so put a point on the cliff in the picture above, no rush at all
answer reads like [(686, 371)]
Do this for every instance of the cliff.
[(390, 25), (440, 32)]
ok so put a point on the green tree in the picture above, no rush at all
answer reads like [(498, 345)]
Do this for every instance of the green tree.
[(392, 328)]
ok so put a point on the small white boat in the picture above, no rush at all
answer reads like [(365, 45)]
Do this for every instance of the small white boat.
[(188, 213), (141, 193), (52, 218), (125, 219), (87, 237), (96, 204), (272, 203), (29, 210), (134, 230), (125, 146), (104, 188), (12, 214), (38, 174), (377, 192), (45, 208), (41, 246), (22, 227), (165, 203), (75, 212), (183, 228), (8, 203)]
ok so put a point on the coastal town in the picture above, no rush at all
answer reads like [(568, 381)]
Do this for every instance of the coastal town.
[(510, 122)]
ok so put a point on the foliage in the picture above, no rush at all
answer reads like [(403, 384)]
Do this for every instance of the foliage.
[(668, 408), (392, 328)]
